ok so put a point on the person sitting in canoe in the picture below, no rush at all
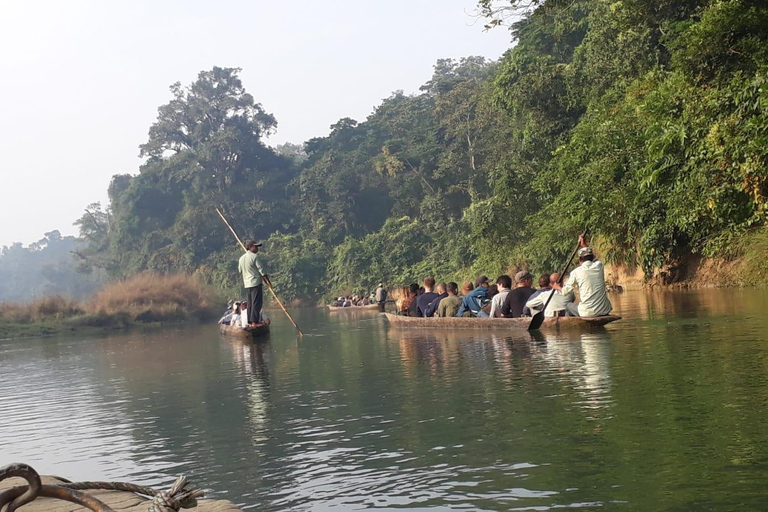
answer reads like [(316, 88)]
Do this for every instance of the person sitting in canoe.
[(473, 302), (441, 294), (234, 319), (557, 305), (449, 306), (516, 299), (589, 278), (408, 305), (425, 298), (544, 286), (504, 284)]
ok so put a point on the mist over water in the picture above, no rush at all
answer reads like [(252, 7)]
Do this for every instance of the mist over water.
[(663, 410)]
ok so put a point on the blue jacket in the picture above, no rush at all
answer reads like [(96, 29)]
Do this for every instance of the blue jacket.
[(471, 301)]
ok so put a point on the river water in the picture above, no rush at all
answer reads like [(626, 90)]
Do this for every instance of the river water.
[(664, 410)]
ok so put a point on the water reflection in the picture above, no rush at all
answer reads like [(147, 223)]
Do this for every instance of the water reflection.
[(660, 411), (251, 359)]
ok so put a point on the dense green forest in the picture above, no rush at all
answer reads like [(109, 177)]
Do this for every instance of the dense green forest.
[(645, 120)]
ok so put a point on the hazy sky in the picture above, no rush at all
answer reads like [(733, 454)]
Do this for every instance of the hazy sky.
[(80, 81)]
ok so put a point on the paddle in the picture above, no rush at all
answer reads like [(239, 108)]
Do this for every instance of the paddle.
[(269, 284), (538, 318)]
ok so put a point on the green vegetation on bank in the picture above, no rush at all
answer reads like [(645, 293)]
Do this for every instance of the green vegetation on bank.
[(645, 120), (146, 299)]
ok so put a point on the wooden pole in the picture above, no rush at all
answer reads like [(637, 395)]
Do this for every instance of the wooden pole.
[(269, 285)]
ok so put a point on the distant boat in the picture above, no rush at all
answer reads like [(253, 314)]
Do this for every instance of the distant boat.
[(341, 308), (562, 322), (236, 331)]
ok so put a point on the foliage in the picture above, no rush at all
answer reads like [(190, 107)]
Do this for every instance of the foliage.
[(644, 120)]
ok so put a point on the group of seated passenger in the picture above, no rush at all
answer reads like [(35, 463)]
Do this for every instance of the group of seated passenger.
[(353, 300), (515, 298), (237, 314)]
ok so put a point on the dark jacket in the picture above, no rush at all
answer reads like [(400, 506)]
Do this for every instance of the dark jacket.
[(423, 301), (432, 306)]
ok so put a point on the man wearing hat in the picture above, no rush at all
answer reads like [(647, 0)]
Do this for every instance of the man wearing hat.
[(516, 299), (589, 277), (253, 278)]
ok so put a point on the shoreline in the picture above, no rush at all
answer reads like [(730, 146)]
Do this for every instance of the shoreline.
[(11, 331)]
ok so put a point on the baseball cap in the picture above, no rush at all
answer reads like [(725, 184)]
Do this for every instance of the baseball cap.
[(523, 275)]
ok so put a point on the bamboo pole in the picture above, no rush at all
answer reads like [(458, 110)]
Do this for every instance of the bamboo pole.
[(269, 284)]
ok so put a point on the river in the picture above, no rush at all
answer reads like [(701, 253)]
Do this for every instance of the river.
[(664, 410)]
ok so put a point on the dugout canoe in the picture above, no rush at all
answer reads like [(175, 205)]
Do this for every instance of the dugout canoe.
[(567, 322), (353, 308), (235, 331)]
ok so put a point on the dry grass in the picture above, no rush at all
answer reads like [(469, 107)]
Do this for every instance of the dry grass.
[(56, 306), (149, 297), (143, 299)]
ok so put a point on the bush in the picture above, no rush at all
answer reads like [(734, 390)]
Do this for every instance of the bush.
[(149, 297)]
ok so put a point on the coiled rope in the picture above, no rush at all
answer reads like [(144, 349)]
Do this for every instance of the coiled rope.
[(179, 496)]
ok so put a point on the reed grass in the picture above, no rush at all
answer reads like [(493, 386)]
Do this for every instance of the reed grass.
[(143, 299)]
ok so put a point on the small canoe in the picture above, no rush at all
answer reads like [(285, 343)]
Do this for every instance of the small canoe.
[(562, 322), (245, 334), (353, 308)]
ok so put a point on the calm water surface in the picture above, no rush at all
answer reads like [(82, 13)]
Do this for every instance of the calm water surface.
[(665, 410)]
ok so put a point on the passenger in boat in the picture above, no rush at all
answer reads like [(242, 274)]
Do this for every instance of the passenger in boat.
[(504, 284), (589, 277), (441, 294), (235, 318), (472, 303), (516, 299), (227, 316), (347, 302), (485, 310), (254, 276), (245, 321), (408, 305), (425, 298), (557, 305), (543, 287), (449, 306)]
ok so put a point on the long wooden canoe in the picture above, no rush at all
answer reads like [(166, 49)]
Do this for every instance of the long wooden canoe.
[(236, 331), (353, 308), (566, 322)]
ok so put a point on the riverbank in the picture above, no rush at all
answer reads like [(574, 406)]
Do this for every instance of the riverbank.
[(146, 300)]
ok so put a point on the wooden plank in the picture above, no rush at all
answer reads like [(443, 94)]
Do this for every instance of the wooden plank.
[(119, 501)]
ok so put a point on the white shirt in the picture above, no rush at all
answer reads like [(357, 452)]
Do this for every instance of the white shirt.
[(496, 302), (244, 319), (590, 278), (556, 304)]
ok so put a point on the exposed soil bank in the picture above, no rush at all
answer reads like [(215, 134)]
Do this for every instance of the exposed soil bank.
[(691, 272)]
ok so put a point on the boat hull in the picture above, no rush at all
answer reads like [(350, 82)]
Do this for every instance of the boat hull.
[(244, 334), (566, 322), (353, 308)]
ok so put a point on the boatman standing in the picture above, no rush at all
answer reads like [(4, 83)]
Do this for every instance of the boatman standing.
[(381, 296), (589, 277), (253, 278)]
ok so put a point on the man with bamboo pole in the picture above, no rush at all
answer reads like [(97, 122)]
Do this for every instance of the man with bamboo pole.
[(252, 270)]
